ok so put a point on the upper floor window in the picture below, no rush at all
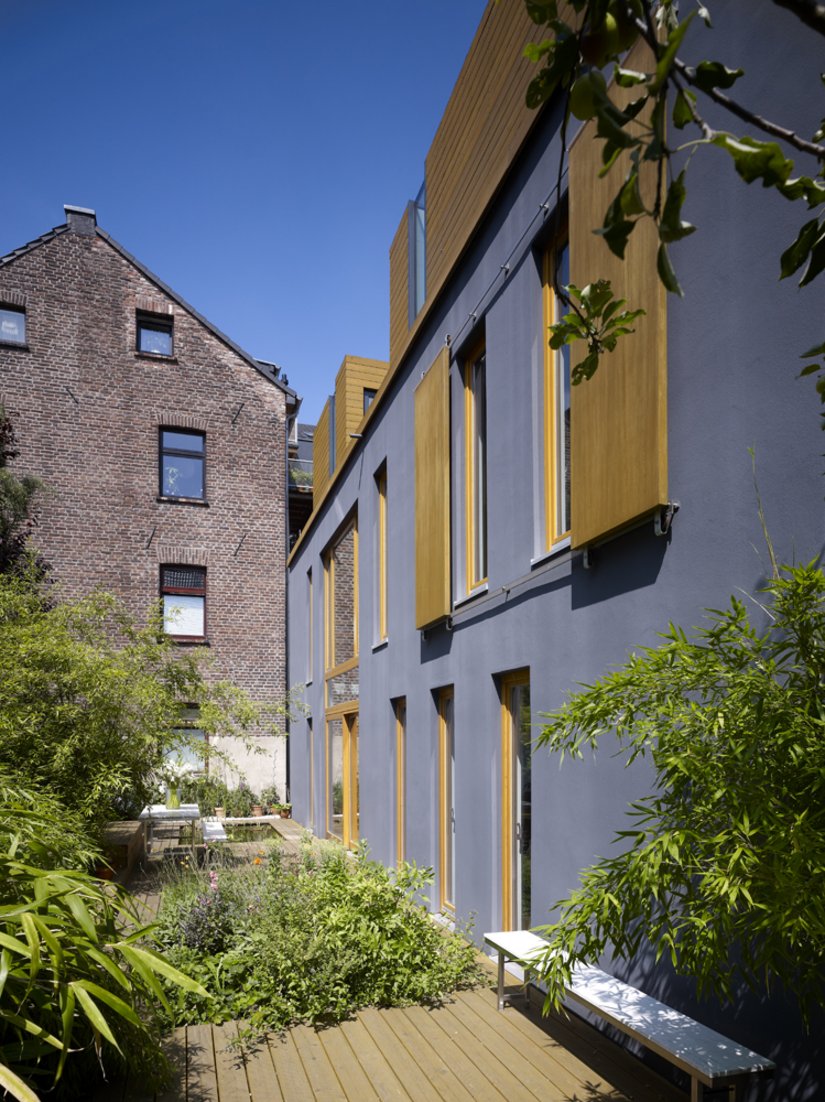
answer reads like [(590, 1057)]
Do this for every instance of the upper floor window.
[(154, 333), (369, 397), (556, 404), (381, 553), (341, 599), (183, 592), (12, 325), (417, 250), (475, 435), (182, 464)]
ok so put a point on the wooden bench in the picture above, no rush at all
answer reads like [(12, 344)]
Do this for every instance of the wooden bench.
[(709, 1058), (123, 846)]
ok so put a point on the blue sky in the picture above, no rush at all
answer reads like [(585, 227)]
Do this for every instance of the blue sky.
[(256, 155)]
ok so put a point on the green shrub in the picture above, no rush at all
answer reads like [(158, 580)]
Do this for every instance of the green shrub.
[(311, 941), (207, 792), (75, 981)]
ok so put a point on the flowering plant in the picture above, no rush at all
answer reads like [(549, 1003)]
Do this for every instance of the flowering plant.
[(175, 770)]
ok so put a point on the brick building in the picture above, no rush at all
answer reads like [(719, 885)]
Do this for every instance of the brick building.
[(164, 449)]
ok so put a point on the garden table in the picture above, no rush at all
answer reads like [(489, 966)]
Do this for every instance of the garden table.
[(159, 813)]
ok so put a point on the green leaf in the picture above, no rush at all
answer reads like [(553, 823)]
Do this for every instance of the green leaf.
[(674, 41), (94, 1014), (712, 74), (117, 1004), (817, 350), (630, 196), (164, 968), (756, 160), (682, 108), (671, 228), (15, 1085), (817, 261), (666, 272), (82, 916), (796, 254)]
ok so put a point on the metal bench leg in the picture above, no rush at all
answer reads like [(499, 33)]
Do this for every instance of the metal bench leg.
[(500, 980), (697, 1091)]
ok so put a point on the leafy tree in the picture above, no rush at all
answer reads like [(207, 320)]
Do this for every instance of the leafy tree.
[(16, 505), (587, 35), (90, 702), (722, 868)]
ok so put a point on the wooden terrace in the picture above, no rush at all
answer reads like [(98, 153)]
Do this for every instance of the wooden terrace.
[(462, 1051)]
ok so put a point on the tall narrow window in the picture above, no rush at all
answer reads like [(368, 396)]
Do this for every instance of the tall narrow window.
[(475, 428), (516, 801), (342, 778), (369, 396), (310, 626), (311, 778), (381, 553), (182, 464), (417, 249), (556, 405), (446, 741), (183, 591), (400, 710)]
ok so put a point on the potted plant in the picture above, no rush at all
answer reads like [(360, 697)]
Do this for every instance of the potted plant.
[(285, 811), (257, 811)]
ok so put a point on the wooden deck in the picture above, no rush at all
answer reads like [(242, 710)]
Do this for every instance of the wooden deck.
[(463, 1051)]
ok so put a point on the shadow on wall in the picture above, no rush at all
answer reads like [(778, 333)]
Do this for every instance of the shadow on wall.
[(627, 562)]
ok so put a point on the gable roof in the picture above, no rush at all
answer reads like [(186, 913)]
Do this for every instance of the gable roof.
[(269, 370)]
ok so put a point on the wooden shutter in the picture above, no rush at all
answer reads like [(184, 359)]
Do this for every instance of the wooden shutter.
[(432, 493), (619, 417)]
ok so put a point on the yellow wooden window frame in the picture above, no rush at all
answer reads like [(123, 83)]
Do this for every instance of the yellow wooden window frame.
[(311, 628), (400, 709), (381, 549), (349, 760), (444, 784), (552, 441), (509, 920), (475, 577)]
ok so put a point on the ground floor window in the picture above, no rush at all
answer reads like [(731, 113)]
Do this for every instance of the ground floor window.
[(516, 828), (446, 740), (342, 778)]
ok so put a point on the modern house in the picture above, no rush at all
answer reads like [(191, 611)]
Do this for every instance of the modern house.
[(485, 537), (163, 446)]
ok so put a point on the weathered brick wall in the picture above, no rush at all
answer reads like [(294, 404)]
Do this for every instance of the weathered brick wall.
[(87, 408)]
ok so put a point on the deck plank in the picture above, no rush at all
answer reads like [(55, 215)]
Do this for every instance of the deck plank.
[(260, 1071), (201, 1078), (386, 1083), (230, 1069), (490, 1063), (516, 1058), (444, 1042), (431, 1065), (416, 1084), (352, 1076), (174, 1049), (286, 1060), (319, 1071)]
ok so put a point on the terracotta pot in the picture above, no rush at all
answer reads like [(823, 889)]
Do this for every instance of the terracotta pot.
[(285, 812), (257, 811), (220, 812)]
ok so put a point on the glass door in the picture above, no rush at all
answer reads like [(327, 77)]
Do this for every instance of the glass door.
[(516, 801)]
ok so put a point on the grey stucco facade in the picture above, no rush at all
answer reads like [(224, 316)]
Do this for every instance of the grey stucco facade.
[(732, 356)]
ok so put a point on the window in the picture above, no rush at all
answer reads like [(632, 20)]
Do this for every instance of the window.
[(400, 711), (556, 405), (446, 788), (182, 464), (12, 325), (516, 801), (192, 743), (369, 396), (154, 333), (341, 603), (417, 249), (310, 627), (183, 591), (381, 554), (475, 430)]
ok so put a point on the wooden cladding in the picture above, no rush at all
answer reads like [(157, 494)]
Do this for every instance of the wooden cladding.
[(432, 493), (481, 131), (354, 375), (399, 289), (320, 456), (619, 417)]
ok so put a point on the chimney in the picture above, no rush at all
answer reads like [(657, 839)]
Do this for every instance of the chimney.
[(80, 220)]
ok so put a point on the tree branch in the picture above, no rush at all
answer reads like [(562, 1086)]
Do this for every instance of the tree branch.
[(810, 12), (789, 136)]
